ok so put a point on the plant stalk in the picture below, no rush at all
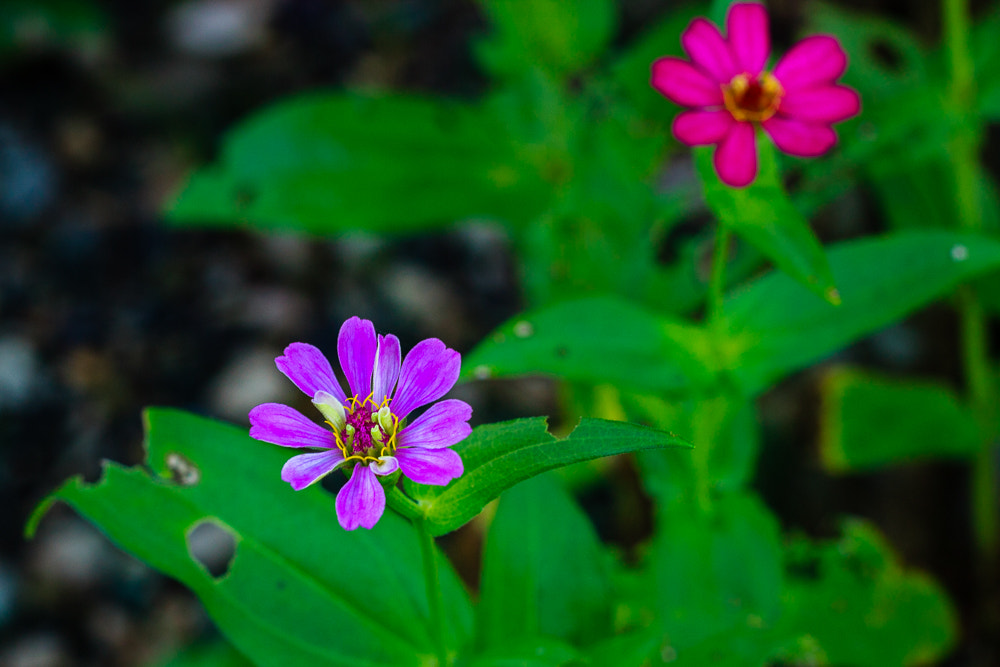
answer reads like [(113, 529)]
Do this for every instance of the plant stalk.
[(434, 598)]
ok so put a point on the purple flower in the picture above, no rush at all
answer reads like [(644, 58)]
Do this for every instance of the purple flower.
[(368, 429), (729, 92)]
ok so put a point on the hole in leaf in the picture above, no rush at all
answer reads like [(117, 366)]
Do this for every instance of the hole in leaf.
[(213, 546), (182, 470)]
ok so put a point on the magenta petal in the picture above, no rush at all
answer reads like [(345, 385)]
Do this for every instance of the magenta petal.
[(797, 138), (430, 466), (305, 469), (735, 158), (700, 128), (708, 50), (362, 500), (310, 370), (386, 367), (749, 36), (685, 84), (829, 104), (443, 425), (356, 347), (285, 426), (429, 370), (814, 61)]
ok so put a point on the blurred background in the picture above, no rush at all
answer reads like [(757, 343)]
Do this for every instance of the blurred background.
[(104, 108)]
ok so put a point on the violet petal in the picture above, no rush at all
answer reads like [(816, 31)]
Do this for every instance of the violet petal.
[(310, 370), (361, 501), (430, 466), (387, 361), (285, 426), (305, 469), (428, 372), (356, 347), (443, 425)]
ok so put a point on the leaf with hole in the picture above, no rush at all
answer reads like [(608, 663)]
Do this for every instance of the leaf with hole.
[(299, 590)]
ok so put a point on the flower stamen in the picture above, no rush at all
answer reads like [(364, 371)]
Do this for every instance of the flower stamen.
[(752, 99)]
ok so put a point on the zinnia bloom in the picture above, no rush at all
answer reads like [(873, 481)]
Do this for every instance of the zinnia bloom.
[(730, 92), (368, 428)]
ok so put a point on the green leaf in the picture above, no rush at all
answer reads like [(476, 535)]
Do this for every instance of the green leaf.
[(863, 608), (326, 163), (775, 326), (560, 36), (717, 570), (215, 654), (868, 421), (531, 652), (499, 456), (596, 340), (299, 589), (764, 215), (543, 570)]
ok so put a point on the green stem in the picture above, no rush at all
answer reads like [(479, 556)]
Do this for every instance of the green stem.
[(964, 149), (434, 597), (717, 279)]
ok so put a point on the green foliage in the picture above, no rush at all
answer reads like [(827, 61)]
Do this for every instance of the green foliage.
[(596, 340), (868, 421), (775, 325), (560, 36), (543, 570), (764, 215), (862, 608), (296, 580), (216, 654), (499, 456), (324, 163)]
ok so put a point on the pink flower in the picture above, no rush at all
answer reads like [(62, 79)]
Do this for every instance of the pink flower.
[(368, 430), (730, 92)]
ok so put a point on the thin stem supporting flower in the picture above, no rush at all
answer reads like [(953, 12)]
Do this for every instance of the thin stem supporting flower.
[(434, 598)]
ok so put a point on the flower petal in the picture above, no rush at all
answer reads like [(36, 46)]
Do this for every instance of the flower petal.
[(362, 500), (332, 409), (700, 128), (735, 157), (306, 469), (443, 425), (429, 371), (430, 466), (829, 104), (285, 426), (356, 347), (684, 84), (708, 50), (310, 370), (386, 367), (815, 61), (749, 36), (797, 138), (386, 465)]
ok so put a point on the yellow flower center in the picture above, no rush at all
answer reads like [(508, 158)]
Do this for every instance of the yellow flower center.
[(754, 99)]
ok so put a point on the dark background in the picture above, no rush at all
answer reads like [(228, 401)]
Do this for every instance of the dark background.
[(105, 310)]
